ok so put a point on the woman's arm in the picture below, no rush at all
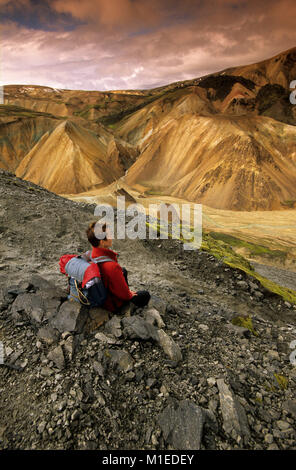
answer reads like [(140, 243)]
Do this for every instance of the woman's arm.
[(117, 284)]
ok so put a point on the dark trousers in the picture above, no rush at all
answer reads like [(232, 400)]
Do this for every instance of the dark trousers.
[(142, 298)]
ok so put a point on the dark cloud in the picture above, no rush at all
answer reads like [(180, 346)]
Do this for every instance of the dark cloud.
[(37, 15), (113, 44)]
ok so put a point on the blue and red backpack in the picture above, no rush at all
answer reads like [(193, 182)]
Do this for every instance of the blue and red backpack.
[(85, 282)]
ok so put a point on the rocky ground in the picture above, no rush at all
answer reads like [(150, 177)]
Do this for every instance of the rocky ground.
[(206, 365)]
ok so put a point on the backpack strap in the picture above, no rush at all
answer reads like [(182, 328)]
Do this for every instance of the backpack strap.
[(101, 259), (86, 256)]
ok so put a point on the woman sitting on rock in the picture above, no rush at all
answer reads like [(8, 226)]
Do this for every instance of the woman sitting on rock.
[(113, 275)]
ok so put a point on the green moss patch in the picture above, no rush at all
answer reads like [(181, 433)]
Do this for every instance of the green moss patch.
[(224, 252), (245, 322), (254, 250), (282, 381), (289, 203)]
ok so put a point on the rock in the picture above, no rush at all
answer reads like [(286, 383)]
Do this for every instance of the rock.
[(127, 309), (268, 438), (169, 346), (40, 283), (106, 339), (29, 304), (18, 289), (70, 317), (258, 294), (153, 317), (171, 310), (120, 358), (99, 369), (273, 447), (252, 285), (239, 330), (24, 364), (96, 317), (46, 371), (15, 355), (113, 326), (157, 303), (273, 355), (211, 381), (283, 425), (8, 351), (37, 315), (48, 334), (41, 427), (38, 305), (182, 425), (69, 347), (5, 300), (57, 356), (150, 382), (243, 285), (210, 420), (75, 415), (234, 417), (290, 407), (203, 327), (137, 328), (51, 299), (65, 335)]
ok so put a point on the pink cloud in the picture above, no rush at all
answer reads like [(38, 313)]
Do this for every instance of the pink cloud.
[(126, 44)]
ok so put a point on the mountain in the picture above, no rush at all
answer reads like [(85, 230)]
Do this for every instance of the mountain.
[(242, 163), (20, 130), (226, 139), (72, 159)]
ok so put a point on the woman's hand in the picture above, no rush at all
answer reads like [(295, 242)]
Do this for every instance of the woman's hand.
[(134, 293)]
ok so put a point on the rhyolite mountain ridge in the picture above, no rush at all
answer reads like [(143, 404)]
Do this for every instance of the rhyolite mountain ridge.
[(226, 140)]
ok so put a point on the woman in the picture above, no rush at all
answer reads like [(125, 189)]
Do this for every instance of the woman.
[(113, 276)]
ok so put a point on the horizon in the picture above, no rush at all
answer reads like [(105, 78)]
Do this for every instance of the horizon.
[(128, 45), (138, 89)]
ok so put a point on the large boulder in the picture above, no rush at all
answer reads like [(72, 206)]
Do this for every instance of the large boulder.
[(48, 335), (182, 425), (153, 316), (113, 326), (57, 357), (158, 304), (29, 306), (70, 317), (170, 348), (36, 301), (96, 317), (235, 422), (138, 328)]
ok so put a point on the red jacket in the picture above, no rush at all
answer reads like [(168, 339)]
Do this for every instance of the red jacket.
[(113, 279)]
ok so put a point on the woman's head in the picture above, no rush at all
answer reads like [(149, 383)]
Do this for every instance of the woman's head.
[(99, 235)]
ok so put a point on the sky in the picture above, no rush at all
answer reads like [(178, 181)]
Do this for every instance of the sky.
[(136, 44)]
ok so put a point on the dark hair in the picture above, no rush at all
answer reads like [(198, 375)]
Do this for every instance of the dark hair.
[(90, 232)]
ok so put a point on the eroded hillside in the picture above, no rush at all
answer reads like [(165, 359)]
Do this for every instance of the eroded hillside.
[(227, 140)]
